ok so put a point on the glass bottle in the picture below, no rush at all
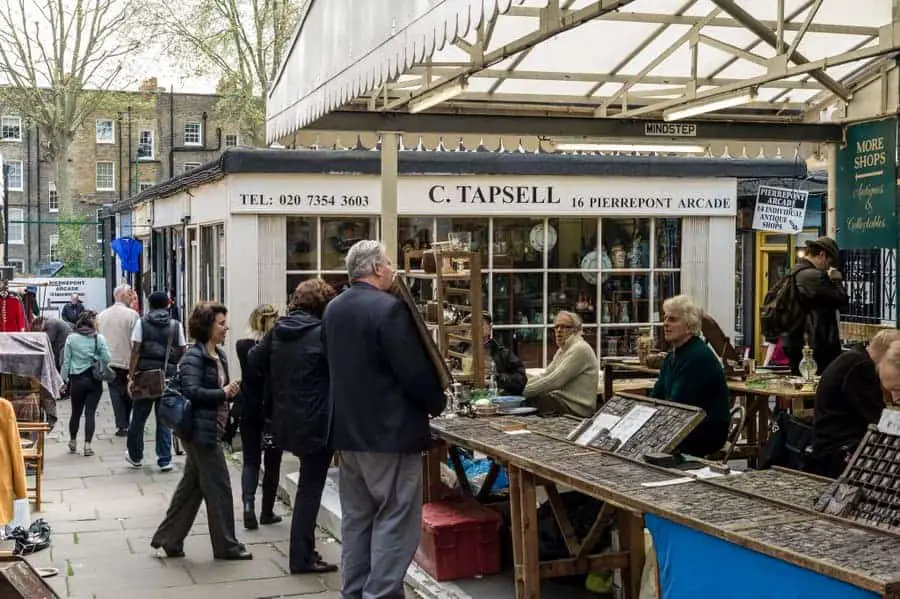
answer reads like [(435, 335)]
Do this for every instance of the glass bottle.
[(808, 366), (492, 382)]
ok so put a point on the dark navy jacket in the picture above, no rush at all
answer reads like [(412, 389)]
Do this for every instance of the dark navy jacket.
[(383, 386)]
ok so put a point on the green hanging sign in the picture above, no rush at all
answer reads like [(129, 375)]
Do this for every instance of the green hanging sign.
[(866, 202)]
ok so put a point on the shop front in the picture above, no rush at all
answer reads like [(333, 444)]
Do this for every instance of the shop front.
[(604, 237)]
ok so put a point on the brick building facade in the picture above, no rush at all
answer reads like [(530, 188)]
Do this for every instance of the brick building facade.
[(138, 140)]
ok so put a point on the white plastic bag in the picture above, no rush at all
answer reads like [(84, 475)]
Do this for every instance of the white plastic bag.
[(21, 513)]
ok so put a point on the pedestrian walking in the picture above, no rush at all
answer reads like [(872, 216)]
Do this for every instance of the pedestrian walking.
[(82, 349), (157, 344), (292, 360), (821, 295), (257, 448), (383, 389), (203, 380), (116, 324)]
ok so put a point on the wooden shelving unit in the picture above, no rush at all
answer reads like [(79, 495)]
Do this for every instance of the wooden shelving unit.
[(456, 286)]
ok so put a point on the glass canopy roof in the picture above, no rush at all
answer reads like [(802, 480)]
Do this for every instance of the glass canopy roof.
[(766, 60)]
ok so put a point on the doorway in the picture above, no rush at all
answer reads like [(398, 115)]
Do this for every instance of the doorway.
[(773, 260)]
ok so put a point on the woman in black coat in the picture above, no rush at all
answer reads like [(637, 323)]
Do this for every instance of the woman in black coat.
[(254, 413), (292, 359), (203, 379)]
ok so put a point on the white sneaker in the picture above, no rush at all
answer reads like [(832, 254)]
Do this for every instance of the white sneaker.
[(166, 468), (130, 462)]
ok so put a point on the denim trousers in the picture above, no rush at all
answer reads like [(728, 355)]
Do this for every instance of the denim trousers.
[(140, 412)]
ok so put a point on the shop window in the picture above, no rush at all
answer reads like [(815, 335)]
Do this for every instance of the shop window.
[(11, 128), (301, 243), (338, 236), (414, 234), (573, 292), (478, 227), (625, 243), (339, 281), (105, 131), (519, 300), (212, 263), (52, 197), (576, 244), (520, 242), (668, 243)]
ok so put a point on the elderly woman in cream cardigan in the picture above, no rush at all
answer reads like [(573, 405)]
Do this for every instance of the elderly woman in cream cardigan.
[(569, 384)]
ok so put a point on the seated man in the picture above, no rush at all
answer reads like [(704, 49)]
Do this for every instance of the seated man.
[(569, 385), (692, 374), (849, 398), (508, 368)]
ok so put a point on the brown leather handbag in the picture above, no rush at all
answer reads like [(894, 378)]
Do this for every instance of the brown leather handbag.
[(150, 384)]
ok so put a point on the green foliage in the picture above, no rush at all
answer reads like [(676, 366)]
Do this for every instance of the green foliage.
[(70, 248)]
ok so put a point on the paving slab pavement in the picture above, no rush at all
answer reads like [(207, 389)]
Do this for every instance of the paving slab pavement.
[(103, 514)]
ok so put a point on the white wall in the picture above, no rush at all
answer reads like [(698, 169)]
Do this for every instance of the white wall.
[(708, 267), (242, 277)]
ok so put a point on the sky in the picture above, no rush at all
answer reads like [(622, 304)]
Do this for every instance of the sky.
[(152, 62)]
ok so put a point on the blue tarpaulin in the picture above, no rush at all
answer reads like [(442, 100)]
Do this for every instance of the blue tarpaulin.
[(693, 564), (128, 250)]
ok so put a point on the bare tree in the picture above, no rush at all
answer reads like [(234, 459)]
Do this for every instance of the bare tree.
[(242, 42), (58, 60)]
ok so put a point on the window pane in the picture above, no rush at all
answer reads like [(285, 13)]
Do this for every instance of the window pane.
[(145, 145), (230, 141), (626, 242), (301, 243), (621, 341), (529, 348), (668, 243), (519, 242), (519, 298), (15, 174), (16, 227), (104, 131), (478, 227), (576, 238), (626, 299), (573, 292), (414, 234), (668, 284), (192, 133), (11, 128), (338, 235)]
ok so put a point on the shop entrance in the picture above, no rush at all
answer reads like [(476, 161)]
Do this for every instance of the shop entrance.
[(773, 260)]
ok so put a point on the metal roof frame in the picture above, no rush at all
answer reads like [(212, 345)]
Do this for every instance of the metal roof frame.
[(517, 58)]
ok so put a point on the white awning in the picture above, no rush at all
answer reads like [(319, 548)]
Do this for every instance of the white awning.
[(592, 58)]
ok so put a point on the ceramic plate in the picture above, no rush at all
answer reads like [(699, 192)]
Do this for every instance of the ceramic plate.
[(522, 411)]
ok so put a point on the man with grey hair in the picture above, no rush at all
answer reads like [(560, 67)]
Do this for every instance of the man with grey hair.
[(383, 390), (115, 324), (850, 397), (569, 384)]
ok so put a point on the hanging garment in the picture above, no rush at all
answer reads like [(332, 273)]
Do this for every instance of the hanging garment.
[(12, 315), (128, 250), (12, 465), (30, 306)]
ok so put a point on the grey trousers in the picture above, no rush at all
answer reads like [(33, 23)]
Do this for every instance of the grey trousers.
[(381, 520), (205, 479)]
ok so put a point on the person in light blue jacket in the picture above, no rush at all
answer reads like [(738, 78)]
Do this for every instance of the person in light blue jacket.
[(84, 346)]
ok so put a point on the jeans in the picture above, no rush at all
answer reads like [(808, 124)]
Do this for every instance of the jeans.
[(140, 411), (85, 391), (118, 396)]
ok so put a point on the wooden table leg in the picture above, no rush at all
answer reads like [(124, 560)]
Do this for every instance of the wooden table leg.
[(631, 539), (515, 517), (431, 472), (531, 575)]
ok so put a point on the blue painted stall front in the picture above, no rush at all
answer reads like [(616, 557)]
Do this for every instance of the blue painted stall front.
[(693, 564)]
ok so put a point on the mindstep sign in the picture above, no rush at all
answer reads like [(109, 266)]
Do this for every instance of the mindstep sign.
[(779, 209)]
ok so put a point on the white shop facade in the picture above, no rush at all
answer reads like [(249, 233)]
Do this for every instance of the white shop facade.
[(556, 233)]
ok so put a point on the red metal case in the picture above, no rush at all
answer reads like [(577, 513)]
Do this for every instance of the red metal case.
[(460, 539)]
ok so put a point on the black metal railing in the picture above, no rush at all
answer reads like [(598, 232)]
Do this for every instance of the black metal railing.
[(870, 277)]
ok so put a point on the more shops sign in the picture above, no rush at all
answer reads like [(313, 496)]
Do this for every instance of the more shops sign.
[(866, 201), (779, 209), (461, 195)]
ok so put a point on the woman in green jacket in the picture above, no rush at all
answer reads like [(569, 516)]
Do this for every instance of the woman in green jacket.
[(82, 348), (692, 374)]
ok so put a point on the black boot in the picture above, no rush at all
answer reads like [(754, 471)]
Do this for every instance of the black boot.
[(250, 522)]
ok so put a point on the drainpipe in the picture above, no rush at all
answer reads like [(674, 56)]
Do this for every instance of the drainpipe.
[(121, 170), (171, 132), (30, 196), (204, 117), (130, 161), (37, 144)]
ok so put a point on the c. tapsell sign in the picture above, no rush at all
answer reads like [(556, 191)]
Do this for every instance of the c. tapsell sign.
[(611, 196)]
